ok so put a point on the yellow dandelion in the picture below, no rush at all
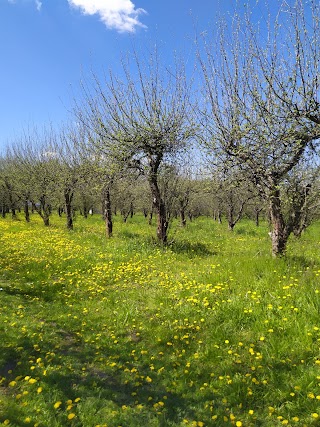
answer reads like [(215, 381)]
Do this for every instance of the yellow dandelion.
[(71, 416), (57, 405)]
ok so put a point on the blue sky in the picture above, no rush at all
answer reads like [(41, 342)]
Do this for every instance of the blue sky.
[(48, 46)]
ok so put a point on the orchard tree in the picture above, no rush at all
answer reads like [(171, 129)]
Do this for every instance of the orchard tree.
[(74, 166), (38, 169), (103, 171), (262, 90), (125, 193), (141, 119), (300, 197), (9, 184)]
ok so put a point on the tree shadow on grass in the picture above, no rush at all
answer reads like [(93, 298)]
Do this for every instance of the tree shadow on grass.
[(243, 231), (129, 234), (45, 292), (191, 250), (299, 261), (106, 386)]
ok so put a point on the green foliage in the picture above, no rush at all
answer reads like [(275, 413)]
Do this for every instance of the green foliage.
[(208, 331)]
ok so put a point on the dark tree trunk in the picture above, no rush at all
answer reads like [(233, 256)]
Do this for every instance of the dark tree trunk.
[(26, 210), (125, 215), (231, 226), (257, 217), (231, 222), (68, 196), (150, 215), (183, 214), (162, 226), (279, 235), (107, 211), (85, 208), (43, 210), (160, 207), (46, 219)]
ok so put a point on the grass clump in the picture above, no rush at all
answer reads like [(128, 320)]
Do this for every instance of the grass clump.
[(209, 331)]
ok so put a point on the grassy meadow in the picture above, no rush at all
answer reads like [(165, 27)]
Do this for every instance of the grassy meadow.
[(210, 331)]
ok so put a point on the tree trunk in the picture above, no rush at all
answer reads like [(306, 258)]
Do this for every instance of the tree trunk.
[(279, 235), (182, 213), (107, 212), (46, 219), (231, 222), (68, 196), (231, 226), (257, 217), (44, 210), (183, 218), (3, 211), (160, 207), (26, 210), (150, 215)]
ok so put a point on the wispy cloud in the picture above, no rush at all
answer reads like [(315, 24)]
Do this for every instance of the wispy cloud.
[(120, 15), (37, 3)]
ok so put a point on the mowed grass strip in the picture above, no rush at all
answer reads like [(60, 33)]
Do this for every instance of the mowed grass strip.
[(210, 331)]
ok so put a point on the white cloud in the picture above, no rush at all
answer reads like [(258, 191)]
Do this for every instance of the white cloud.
[(121, 15), (38, 4)]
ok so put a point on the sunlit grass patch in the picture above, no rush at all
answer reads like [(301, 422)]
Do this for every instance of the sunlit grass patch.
[(209, 331)]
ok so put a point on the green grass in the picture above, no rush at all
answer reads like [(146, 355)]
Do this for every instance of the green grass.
[(210, 331)]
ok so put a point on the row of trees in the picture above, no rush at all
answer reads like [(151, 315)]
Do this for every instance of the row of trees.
[(256, 117), (43, 179)]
